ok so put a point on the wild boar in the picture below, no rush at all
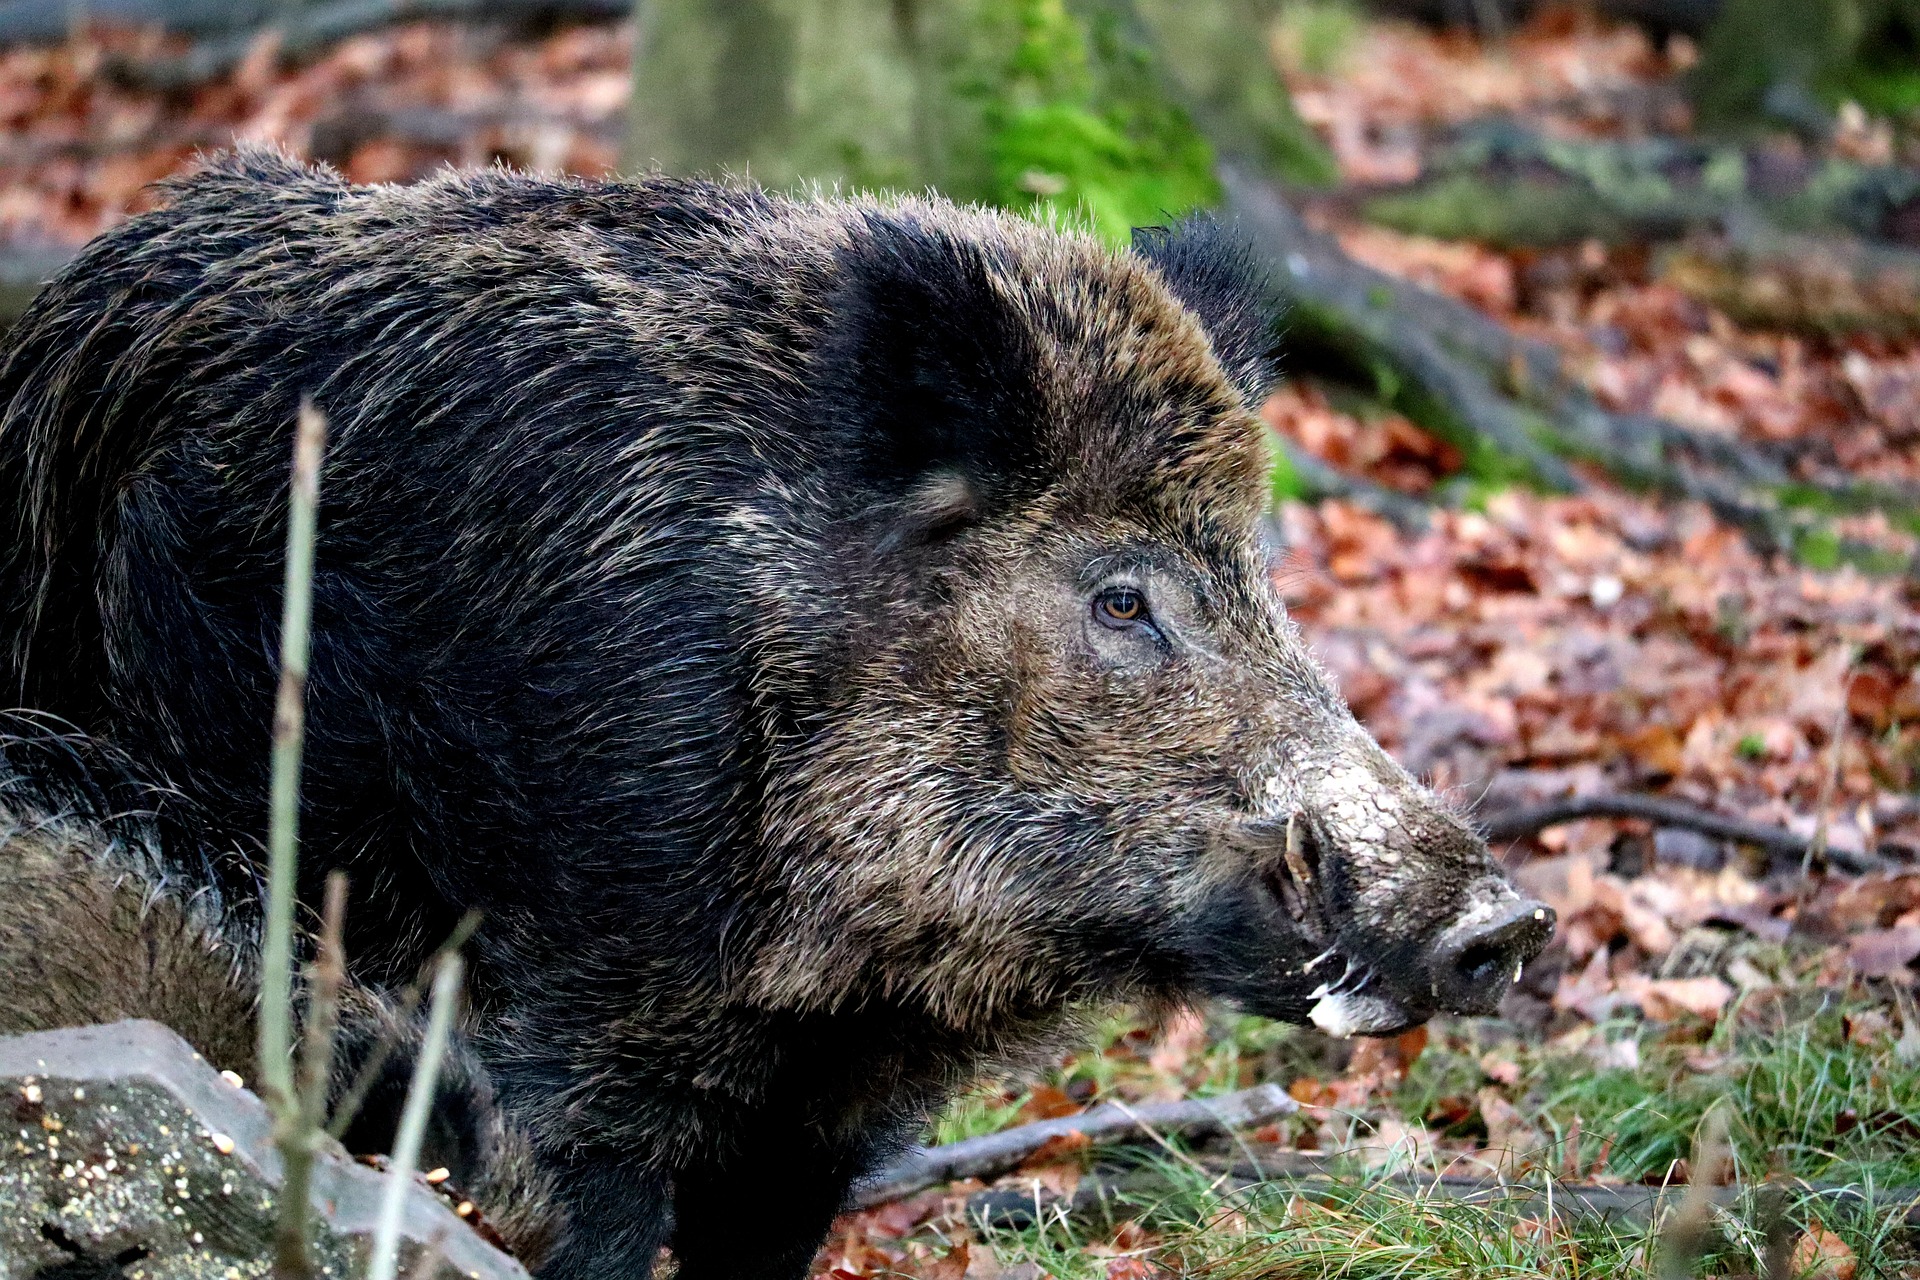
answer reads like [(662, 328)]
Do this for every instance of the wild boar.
[(831, 641)]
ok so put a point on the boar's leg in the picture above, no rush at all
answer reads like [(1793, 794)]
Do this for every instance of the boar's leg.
[(616, 1218), (729, 1226)]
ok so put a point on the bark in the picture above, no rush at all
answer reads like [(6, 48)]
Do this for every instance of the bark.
[(1669, 812), (781, 90), (998, 1153), (1508, 402), (301, 28), (1109, 1197), (1500, 183)]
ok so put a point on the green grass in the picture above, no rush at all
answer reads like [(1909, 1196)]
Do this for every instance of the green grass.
[(1814, 1085)]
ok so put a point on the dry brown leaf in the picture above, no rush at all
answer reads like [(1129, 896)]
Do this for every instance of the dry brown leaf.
[(1882, 953), (1665, 999), (1057, 1149), (1513, 1142), (1500, 1070), (950, 1266), (1048, 1102), (1819, 1254), (1184, 1035)]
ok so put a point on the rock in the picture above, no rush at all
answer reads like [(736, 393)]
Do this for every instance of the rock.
[(123, 1153)]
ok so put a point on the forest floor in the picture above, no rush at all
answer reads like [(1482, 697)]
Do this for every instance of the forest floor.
[(1524, 648)]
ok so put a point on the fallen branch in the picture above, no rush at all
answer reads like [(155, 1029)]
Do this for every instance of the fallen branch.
[(1669, 812), (1496, 181), (1507, 400), (998, 1153), (1119, 1195), (1315, 480), (304, 29)]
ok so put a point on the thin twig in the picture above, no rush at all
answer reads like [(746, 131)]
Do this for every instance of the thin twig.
[(293, 1134), (1817, 852), (289, 729), (1516, 823), (325, 976), (996, 1153), (413, 1119)]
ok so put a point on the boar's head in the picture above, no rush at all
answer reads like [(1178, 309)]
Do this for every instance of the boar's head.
[(1060, 739)]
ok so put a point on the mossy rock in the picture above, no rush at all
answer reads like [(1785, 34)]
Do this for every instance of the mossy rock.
[(122, 1152)]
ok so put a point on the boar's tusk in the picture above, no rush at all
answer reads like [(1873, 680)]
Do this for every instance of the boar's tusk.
[(1344, 1014), (1296, 863)]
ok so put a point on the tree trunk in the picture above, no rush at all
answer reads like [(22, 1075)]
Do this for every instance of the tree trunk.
[(1015, 102), (779, 90), (1766, 60)]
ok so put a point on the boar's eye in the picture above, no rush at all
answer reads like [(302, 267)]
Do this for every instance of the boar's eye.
[(1121, 608)]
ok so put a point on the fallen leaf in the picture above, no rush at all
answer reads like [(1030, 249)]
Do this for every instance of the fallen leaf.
[(1382, 1062), (1309, 1092), (901, 1217), (1665, 999), (1882, 953), (1184, 1035), (1819, 1254), (1656, 749), (950, 1266), (1499, 1070), (1512, 1141), (1048, 1102), (1057, 1149)]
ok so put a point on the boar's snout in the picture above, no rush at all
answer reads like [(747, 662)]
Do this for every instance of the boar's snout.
[(1482, 954), (1402, 892)]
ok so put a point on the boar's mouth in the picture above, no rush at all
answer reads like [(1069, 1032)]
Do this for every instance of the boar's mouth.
[(1368, 984)]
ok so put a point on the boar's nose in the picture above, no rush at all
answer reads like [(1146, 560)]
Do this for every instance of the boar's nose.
[(1476, 960)]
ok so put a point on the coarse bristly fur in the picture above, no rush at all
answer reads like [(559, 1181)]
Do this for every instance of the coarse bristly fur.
[(830, 641), (110, 908)]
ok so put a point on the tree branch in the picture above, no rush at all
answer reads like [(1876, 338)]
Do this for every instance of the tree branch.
[(1668, 812), (998, 1153)]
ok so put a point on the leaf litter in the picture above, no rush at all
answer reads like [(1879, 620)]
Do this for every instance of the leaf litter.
[(1526, 647)]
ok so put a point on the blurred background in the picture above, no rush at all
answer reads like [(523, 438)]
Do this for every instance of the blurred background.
[(1598, 460)]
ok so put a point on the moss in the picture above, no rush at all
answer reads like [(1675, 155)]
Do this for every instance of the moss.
[(1468, 207), (1316, 35), (1286, 482), (1072, 126), (1828, 50)]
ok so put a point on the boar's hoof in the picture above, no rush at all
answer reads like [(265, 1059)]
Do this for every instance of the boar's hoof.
[(1480, 957)]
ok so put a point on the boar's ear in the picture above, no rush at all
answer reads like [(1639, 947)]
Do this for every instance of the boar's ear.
[(928, 376), (1218, 275)]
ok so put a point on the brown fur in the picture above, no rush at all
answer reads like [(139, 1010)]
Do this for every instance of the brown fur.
[(92, 931), (84, 938), (710, 592)]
